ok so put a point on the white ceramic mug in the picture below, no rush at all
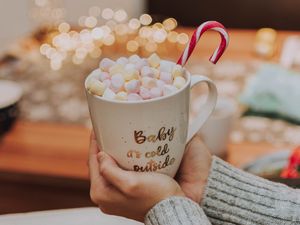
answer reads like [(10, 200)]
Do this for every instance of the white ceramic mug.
[(149, 135)]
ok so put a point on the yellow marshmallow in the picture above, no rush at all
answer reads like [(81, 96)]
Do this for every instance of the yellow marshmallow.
[(117, 68), (96, 88), (154, 60), (179, 82), (177, 71)]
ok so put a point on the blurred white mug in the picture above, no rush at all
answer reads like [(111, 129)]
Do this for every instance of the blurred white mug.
[(216, 130)]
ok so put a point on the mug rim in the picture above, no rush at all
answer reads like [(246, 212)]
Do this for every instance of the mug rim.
[(187, 84)]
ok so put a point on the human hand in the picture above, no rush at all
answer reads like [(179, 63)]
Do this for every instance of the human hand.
[(194, 169), (126, 193)]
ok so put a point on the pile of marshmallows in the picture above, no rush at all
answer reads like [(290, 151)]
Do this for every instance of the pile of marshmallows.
[(135, 78)]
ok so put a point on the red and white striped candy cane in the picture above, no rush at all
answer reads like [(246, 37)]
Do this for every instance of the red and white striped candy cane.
[(209, 25)]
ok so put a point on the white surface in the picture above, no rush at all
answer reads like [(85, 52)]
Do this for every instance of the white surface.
[(80, 216)]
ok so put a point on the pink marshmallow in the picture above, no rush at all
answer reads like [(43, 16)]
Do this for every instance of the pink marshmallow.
[(145, 93), (147, 72), (117, 82), (133, 86), (140, 64), (133, 97), (155, 92), (166, 77), (105, 64), (104, 76)]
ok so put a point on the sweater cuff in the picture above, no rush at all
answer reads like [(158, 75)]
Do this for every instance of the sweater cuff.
[(233, 196), (176, 211)]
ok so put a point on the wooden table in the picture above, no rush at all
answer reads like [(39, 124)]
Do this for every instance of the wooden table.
[(46, 154)]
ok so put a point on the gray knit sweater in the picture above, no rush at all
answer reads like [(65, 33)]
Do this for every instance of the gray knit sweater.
[(231, 197)]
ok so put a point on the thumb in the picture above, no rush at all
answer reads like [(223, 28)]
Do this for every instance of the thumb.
[(123, 180)]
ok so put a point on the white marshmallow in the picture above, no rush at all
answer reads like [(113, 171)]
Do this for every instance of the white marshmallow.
[(122, 60), (96, 88), (155, 72), (133, 97), (155, 92), (122, 96), (134, 58), (105, 64), (160, 83), (145, 93), (132, 86), (103, 76), (166, 77), (166, 66), (109, 94), (154, 60), (177, 71), (179, 82), (169, 89), (148, 82), (107, 83), (117, 82)]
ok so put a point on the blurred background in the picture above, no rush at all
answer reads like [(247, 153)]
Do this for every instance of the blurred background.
[(48, 47)]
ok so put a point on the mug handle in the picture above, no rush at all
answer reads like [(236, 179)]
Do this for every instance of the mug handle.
[(208, 107)]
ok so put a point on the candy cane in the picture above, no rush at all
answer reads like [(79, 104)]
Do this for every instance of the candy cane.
[(209, 25)]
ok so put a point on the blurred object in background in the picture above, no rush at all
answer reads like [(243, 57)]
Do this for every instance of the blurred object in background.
[(265, 42), (274, 92), (247, 14), (217, 128), (10, 95), (290, 55), (273, 166)]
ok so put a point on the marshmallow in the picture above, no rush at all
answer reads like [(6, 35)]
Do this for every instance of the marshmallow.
[(134, 58), (96, 73), (117, 82), (166, 77), (130, 72), (177, 71), (166, 66), (105, 64), (155, 72), (160, 83), (133, 97), (96, 88), (107, 83), (147, 71), (145, 93), (155, 92), (169, 89), (117, 68), (179, 82), (122, 96), (140, 64), (122, 61), (109, 94), (103, 76), (154, 60), (148, 82), (90, 81), (132, 86)]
